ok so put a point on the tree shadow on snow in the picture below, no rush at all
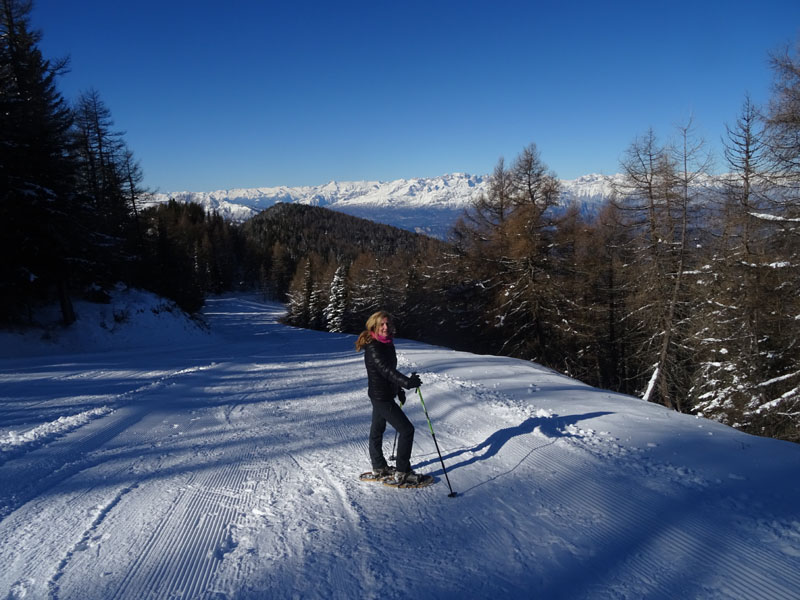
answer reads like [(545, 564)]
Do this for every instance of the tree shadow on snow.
[(552, 428)]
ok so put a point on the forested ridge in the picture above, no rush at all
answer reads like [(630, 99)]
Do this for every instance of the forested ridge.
[(673, 291), (311, 229)]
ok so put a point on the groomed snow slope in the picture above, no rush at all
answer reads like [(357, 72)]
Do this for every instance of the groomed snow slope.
[(224, 466)]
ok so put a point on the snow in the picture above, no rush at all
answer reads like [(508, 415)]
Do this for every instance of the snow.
[(769, 217), (133, 318), (426, 205), (152, 458)]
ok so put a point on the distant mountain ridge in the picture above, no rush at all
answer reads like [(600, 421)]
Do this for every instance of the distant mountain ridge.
[(424, 205)]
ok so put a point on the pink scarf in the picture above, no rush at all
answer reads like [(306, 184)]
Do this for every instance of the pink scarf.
[(380, 338)]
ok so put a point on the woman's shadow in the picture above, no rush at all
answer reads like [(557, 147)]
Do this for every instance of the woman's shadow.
[(552, 428)]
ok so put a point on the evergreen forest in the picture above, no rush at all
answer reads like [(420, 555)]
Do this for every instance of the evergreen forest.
[(682, 289)]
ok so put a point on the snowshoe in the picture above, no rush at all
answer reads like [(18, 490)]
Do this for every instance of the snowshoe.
[(378, 475), (409, 480)]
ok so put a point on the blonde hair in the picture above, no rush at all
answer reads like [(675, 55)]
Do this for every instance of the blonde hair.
[(373, 323)]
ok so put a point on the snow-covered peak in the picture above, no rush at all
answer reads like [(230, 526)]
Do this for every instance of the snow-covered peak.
[(453, 189), (589, 186), (425, 204)]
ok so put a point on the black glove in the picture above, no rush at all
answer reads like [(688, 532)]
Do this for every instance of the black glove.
[(401, 396), (414, 381)]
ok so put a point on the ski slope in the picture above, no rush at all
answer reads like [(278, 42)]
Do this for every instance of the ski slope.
[(224, 466)]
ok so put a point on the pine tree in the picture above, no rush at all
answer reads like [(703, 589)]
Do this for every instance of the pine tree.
[(38, 234), (647, 200), (109, 184), (369, 290), (171, 265), (776, 412), (336, 310), (731, 360), (783, 117), (507, 244), (677, 352), (107, 173), (298, 304)]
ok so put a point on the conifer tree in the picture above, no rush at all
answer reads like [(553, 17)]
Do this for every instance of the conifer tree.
[(730, 361), (336, 310), (38, 239), (776, 411), (645, 200), (673, 370), (108, 183), (507, 244), (108, 174), (298, 303), (783, 116)]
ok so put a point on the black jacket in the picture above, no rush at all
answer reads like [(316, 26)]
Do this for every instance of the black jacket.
[(382, 375)]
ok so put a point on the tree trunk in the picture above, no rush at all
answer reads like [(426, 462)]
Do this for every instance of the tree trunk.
[(67, 310)]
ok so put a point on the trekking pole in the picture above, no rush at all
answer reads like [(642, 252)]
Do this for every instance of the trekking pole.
[(452, 494), (393, 457), (394, 445)]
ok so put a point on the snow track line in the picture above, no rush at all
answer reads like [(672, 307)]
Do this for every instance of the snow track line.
[(149, 546), (350, 529), (692, 539), (47, 467), (49, 462), (53, 585), (696, 533), (36, 566), (206, 511), (13, 445)]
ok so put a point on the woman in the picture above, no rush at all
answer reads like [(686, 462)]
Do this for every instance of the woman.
[(385, 383)]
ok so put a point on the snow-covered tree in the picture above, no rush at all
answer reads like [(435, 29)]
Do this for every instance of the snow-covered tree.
[(731, 283), (776, 409), (657, 200), (336, 310), (298, 299), (371, 288)]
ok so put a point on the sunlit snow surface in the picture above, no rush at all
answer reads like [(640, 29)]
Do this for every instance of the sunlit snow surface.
[(148, 458)]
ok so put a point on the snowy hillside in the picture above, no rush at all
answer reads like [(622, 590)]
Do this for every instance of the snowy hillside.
[(429, 205), (135, 318), (224, 465)]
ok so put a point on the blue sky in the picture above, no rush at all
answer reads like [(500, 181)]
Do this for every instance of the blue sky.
[(250, 93)]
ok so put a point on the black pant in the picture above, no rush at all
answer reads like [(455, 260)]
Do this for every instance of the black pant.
[(383, 412)]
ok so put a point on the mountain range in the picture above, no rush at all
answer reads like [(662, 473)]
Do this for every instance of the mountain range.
[(424, 205)]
